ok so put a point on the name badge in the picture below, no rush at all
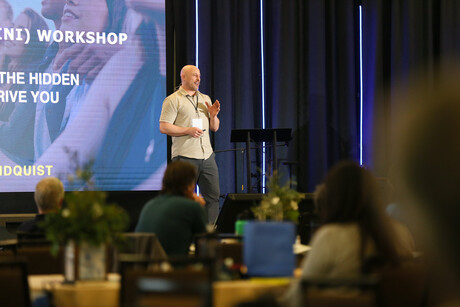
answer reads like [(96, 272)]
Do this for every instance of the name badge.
[(197, 123)]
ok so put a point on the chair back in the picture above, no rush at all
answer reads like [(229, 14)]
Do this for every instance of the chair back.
[(14, 287), (31, 236), (39, 257), (176, 282), (144, 245)]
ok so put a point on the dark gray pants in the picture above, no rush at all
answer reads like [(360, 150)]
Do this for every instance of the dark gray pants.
[(208, 181)]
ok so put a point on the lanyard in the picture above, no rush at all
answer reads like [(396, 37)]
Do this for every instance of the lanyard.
[(191, 101)]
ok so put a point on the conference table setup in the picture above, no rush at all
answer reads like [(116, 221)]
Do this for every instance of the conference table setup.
[(221, 278), (107, 293), (225, 293)]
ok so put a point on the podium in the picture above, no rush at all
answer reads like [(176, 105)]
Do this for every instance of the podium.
[(259, 135)]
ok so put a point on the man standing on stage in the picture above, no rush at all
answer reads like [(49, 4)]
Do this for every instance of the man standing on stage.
[(187, 116)]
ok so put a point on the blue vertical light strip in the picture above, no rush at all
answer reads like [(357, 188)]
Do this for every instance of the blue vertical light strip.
[(360, 85), (196, 56), (263, 88)]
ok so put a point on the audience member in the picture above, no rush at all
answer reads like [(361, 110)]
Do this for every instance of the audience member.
[(355, 229), (49, 195), (427, 149), (177, 214), (355, 226)]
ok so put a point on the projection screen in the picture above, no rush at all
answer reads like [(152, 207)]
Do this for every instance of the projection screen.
[(82, 84)]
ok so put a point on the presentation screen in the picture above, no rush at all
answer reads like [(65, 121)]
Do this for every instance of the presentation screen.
[(82, 84)]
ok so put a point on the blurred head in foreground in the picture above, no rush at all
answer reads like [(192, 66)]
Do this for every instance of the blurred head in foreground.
[(427, 153)]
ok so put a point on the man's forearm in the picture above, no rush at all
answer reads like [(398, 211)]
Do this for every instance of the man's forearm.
[(214, 123), (173, 130)]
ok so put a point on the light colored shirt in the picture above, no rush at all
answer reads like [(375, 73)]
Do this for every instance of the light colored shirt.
[(335, 253), (336, 250), (184, 110)]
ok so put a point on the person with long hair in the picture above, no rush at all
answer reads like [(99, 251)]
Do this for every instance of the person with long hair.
[(177, 214), (355, 226)]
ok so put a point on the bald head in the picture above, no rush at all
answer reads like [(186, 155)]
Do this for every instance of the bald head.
[(190, 77), (49, 194), (188, 69)]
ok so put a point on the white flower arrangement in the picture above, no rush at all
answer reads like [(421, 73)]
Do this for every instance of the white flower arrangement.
[(280, 203)]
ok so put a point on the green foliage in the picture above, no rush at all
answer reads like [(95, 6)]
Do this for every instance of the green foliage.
[(86, 218), (280, 203)]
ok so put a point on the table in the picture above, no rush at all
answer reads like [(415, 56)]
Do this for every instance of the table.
[(106, 293), (80, 294), (87, 294), (229, 293)]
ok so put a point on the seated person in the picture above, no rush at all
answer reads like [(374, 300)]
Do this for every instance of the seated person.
[(355, 229), (177, 214), (49, 195)]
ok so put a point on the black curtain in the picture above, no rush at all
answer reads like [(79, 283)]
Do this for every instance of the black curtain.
[(402, 39), (311, 72), (313, 82), (180, 39)]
